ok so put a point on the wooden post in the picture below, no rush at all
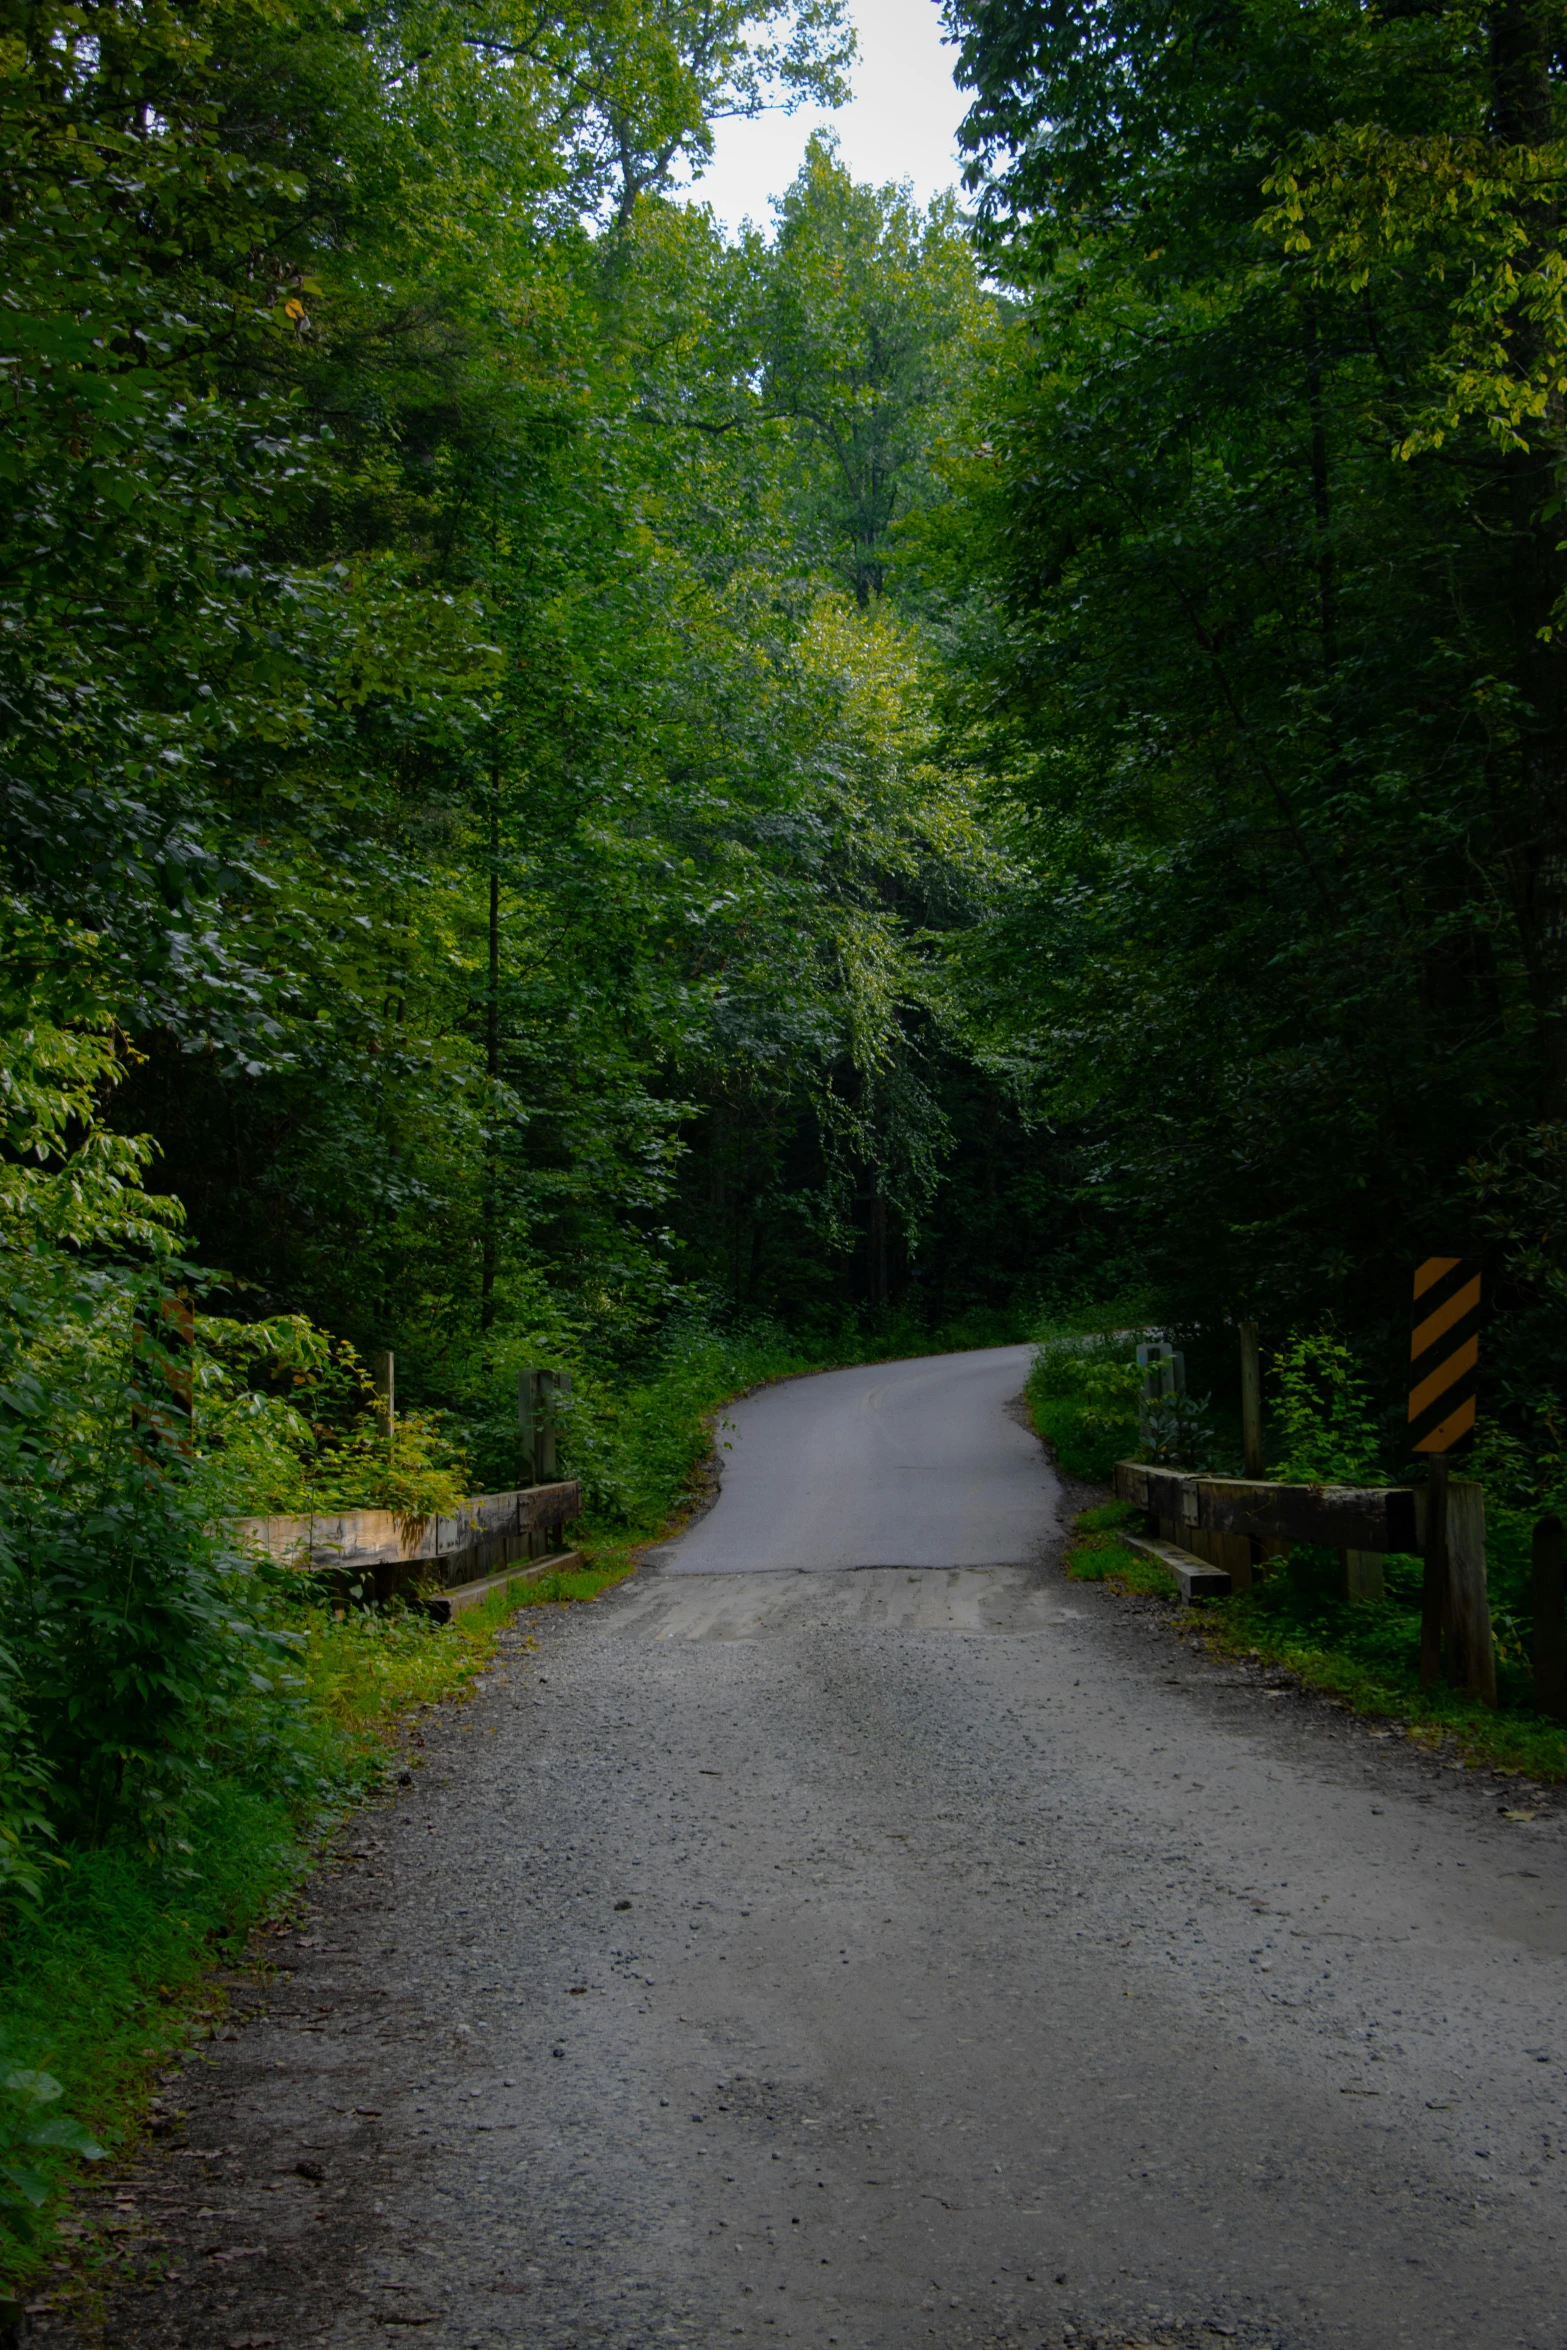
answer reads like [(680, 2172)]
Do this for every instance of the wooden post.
[(1164, 1375), (1433, 1588), (536, 1394), (561, 1385), (1145, 1362), (1550, 1619), (525, 1421), (1232, 1552), (1471, 1653), (1363, 1577), (1251, 1399), (544, 1426), (386, 1398)]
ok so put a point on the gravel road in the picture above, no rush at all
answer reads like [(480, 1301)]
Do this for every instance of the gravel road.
[(886, 1958)]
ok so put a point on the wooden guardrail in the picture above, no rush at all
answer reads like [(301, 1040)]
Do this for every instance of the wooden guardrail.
[(442, 1556), (1215, 1533), (1377, 1518)]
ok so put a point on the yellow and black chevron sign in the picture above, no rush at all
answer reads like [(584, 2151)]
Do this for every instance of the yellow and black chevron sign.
[(1444, 1351)]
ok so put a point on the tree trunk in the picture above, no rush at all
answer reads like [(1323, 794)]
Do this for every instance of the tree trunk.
[(492, 1070), (876, 1248), (1327, 587)]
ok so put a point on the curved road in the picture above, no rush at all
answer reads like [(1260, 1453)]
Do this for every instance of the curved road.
[(895, 1465), (908, 1950)]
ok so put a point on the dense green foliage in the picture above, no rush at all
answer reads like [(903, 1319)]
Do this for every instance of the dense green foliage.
[(1266, 650), (470, 812), (465, 781), (1083, 1393)]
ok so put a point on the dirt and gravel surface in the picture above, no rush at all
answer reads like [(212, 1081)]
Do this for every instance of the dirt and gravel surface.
[(880, 1958)]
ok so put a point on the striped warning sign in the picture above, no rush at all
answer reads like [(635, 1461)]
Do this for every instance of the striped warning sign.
[(1444, 1351)]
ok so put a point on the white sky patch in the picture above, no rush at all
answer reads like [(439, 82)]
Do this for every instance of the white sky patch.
[(901, 124)]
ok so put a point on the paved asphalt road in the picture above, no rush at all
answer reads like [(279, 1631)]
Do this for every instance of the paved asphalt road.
[(919, 1954), (897, 1465)]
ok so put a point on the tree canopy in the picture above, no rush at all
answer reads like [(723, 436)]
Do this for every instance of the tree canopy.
[(459, 754), (1269, 666)]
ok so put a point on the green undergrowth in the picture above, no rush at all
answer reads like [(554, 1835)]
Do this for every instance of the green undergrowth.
[(99, 1982), (1366, 1655), (111, 1972), (608, 1564), (1082, 1396), (1095, 1555), (368, 1668)]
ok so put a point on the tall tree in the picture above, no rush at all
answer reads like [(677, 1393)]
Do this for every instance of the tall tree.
[(1269, 678), (870, 310)]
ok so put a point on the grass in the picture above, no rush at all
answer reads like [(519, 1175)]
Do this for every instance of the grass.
[(1095, 1556), (607, 1565), (116, 1971), (111, 1973), (365, 1669), (1366, 1654)]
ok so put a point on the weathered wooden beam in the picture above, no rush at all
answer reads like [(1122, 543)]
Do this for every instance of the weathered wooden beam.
[(1163, 1493), (1232, 1552), (1198, 1579), (1340, 1517), (1434, 1583), (374, 1538), (1251, 1399), (1363, 1575), (1471, 1654), (443, 1605)]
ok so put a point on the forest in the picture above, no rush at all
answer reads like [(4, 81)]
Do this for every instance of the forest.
[(582, 790)]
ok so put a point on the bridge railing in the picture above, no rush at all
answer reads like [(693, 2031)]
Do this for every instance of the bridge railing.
[(381, 1553), (1215, 1534)]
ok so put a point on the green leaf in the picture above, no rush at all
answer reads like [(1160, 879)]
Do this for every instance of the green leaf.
[(37, 2088), (63, 2131), (30, 2184)]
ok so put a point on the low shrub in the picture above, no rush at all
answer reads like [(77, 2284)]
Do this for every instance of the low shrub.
[(1082, 1393)]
